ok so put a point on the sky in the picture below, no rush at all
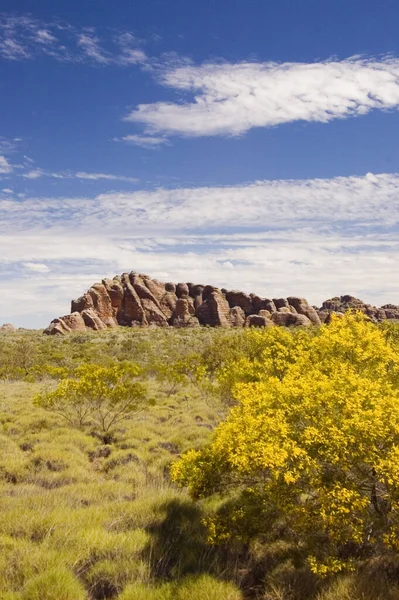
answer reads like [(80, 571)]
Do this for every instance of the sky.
[(249, 144)]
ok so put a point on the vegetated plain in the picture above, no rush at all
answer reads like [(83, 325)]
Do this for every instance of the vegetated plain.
[(89, 511)]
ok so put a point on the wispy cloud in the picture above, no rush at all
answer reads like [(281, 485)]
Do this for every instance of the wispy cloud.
[(33, 174), (9, 145), (145, 141), (230, 99), (313, 238), (107, 176), (36, 267), (90, 45), (369, 201), (25, 38), (38, 173), (5, 167), (130, 54)]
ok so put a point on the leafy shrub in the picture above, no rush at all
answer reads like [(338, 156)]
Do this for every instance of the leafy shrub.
[(311, 449), (102, 395)]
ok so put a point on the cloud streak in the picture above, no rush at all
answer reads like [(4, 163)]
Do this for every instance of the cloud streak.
[(82, 175), (231, 99), (145, 141)]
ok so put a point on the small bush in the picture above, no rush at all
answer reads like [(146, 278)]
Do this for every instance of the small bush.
[(55, 584)]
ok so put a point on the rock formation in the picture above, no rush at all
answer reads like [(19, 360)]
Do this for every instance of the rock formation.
[(7, 327), (341, 304), (134, 299)]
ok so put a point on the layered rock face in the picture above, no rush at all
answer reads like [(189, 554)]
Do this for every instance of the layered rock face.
[(134, 299)]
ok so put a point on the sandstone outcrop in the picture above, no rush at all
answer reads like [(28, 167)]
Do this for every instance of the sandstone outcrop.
[(134, 299), (7, 327), (340, 304)]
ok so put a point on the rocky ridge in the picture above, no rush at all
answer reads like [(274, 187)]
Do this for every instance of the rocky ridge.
[(134, 299)]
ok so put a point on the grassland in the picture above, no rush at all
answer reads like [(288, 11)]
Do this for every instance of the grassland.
[(83, 517)]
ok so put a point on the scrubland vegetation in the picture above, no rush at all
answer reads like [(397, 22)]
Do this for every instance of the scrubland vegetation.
[(201, 464)]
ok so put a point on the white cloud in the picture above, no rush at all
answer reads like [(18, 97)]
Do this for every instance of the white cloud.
[(131, 56), (145, 141), (33, 174), (314, 238), (25, 38), (36, 267), (230, 99), (9, 145), (37, 173), (107, 176), (130, 53), (91, 48), (356, 201), (44, 37), (5, 166)]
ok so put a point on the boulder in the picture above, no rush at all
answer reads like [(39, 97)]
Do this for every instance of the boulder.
[(258, 321), (391, 311), (302, 307), (183, 314), (208, 290), (280, 303), (66, 324), (244, 301), (168, 304), (182, 290), (196, 295), (215, 310), (289, 319), (237, 317)]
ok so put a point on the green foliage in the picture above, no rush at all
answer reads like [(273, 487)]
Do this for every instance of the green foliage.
[(104, 396), (312, 445)]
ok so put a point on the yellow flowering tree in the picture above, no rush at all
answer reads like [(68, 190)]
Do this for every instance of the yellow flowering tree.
[(310, 452)]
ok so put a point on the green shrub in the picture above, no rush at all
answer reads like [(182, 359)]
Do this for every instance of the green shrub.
[(55, 584)]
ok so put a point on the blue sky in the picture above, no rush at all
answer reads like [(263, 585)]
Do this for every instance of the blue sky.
[(251, 144)]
